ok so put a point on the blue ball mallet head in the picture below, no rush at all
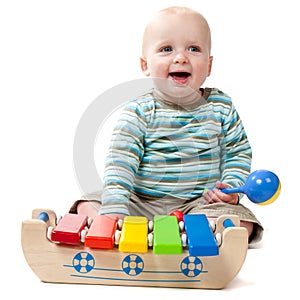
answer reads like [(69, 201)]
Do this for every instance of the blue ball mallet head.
[(261, 187)]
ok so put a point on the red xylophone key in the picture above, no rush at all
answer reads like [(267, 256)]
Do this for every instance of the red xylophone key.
[(69, 228)]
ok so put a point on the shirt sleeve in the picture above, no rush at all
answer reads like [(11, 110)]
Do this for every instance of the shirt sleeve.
[(125, 153), (236, 154)]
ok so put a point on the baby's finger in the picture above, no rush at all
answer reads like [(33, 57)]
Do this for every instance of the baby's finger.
[(214, 197), (228, 198), (208, 197), (222, 196)]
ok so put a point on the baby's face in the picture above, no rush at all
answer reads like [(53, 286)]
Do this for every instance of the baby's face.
[(177, 48)]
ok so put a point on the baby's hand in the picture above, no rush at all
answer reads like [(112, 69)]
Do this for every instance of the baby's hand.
[(216, 195)]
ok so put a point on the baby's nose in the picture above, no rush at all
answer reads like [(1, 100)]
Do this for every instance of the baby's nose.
[(180, 58)]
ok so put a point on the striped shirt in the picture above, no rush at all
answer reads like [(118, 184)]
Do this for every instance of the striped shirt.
[(159, 149)]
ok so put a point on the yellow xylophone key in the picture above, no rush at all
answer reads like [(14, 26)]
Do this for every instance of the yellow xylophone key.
[(134, 235)]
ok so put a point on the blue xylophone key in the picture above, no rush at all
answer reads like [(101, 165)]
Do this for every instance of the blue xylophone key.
[(201, 240)]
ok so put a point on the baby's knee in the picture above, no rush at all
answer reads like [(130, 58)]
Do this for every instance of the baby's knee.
[(89, 208)]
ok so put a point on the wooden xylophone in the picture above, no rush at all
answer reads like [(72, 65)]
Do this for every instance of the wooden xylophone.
[(162, 252)]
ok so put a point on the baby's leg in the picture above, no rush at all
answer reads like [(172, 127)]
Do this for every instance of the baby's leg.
[(246, 224), (247, 218), (89, 208), (89, 205)]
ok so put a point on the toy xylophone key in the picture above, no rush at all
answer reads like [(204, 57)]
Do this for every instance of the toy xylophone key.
[(101, 232), (166, 235), (69, 228), (201, 240), (134, 235)]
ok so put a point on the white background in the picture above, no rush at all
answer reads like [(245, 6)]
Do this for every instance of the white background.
[(56, 57)]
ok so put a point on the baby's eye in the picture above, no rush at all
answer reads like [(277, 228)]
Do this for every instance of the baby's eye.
[(166, 49), (194, 49)]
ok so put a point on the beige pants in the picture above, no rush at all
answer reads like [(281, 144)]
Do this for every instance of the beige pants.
[(164, 206)]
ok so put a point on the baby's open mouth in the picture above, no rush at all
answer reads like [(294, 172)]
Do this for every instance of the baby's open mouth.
[(180, 77)]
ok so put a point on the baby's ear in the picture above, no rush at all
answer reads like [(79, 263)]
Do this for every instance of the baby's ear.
[(210, 65), (144, 66)]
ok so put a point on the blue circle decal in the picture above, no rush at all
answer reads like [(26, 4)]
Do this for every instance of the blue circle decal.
[(191, 266), (132, 265), (83, 262)]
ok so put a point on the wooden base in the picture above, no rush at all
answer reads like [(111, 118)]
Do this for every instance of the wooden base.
[(60, 263)]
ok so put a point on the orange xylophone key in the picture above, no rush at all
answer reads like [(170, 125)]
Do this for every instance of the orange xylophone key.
[(101, 232)]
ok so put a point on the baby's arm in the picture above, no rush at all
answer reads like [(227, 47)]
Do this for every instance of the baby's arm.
[(236, 155), (125, 153)]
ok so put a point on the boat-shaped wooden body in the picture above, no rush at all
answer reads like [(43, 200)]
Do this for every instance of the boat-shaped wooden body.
[(63, 263)]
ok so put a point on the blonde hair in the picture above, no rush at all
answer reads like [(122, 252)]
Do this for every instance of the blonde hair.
[(177, 10)]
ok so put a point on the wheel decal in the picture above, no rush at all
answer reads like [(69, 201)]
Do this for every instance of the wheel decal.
[(191, 266), (83, 262), (132, 265)]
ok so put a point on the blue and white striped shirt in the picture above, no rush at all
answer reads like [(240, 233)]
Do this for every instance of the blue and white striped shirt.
[(160, 149)]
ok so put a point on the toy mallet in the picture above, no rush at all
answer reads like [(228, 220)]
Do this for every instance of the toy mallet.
[(261, 187)]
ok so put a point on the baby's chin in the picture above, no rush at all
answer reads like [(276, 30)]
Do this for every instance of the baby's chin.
[(175, 92)]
